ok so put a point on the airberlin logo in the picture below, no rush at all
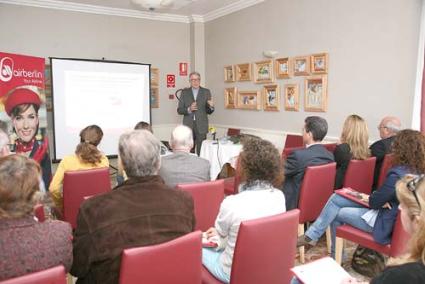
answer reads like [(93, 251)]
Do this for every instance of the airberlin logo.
[(7, 71)]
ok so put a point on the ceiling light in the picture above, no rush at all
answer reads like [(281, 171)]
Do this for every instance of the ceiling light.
[(153, 4)]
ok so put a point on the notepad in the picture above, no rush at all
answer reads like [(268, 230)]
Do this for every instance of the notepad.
[(325, 270), (353, 195)]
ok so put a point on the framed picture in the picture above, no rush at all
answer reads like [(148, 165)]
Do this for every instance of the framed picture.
[(155, 97), (154, 76), (230, 97), (249, 100), (292, 97), (243, 72), (319, 63), (316, 93), (263, 71), (282, 68), (301, 66), (271, 98), (229, 73)]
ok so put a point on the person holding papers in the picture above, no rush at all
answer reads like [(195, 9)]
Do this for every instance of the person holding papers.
[(379, 219)]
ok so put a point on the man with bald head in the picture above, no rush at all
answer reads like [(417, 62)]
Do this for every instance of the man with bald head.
[(388, 128)]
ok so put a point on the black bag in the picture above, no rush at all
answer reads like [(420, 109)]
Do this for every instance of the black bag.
[(367, 262)]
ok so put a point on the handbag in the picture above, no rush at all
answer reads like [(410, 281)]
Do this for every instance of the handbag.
[(367, 262)]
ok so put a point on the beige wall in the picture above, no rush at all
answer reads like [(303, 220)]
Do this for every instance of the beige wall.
[(372, 47)]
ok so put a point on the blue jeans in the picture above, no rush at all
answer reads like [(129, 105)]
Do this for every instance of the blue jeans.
[(211, 260), (338, 211)]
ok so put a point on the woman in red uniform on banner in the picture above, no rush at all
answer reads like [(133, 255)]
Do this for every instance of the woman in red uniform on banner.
[(22, 106)]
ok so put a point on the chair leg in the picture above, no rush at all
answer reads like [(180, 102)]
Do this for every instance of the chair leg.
[(328, 239), (339, 248), (301, 249)]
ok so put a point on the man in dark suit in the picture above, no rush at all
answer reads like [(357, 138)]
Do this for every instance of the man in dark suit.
[(388, 128), (314, 130), (195, 104)]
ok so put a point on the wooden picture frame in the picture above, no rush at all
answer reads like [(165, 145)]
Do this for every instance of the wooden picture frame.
[(316, 93), (230, 97), (249, 100), (155, 97), (154, 77), (243, 72), (301, 65), (319, 63), (271, 98), (229, 73), (263, 72), (292, 97), (283, 68)]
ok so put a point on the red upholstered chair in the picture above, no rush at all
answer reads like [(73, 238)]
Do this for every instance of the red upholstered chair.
[(359, 175), (264, 251), (233, 132), (330, 146), (178, 261), (207, 197), (396, 248), (292, 141), (77, 185), (55, 275), (39, 212), (387, 163), (316, 188), (287, 151)]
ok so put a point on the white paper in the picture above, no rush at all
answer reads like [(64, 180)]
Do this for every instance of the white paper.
[(325, 270)]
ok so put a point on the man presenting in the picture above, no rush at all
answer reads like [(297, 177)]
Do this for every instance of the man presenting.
[(195, 104)]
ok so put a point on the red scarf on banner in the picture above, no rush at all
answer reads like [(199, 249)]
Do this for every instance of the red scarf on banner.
[(41, 150)]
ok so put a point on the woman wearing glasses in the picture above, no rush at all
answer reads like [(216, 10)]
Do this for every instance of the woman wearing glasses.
[(409, 158)]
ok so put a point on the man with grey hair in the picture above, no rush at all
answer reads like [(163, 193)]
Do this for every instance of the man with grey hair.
[(388, 128), (142, 211), (182, 166)]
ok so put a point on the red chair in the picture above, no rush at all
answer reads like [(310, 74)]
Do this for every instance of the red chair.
[(264, 251), (207, 197), (387, 163), (55, 275), (233, 132), (316, 188), (231, 184), (287, 151), (359, 175), (330, 147), (39, 212), (396, 248), (292, 141), (178, 261), (77, 185)]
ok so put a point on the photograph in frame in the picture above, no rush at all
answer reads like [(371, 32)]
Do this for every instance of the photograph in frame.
[(319, 63), (315, 93), (301, 65), (155, 97), (283, 68), (230, 97), (292, 97), (271, 98), (229, 74), (249, 100), (263, 72), (243, 72)]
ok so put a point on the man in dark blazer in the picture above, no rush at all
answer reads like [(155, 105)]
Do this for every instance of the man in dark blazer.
[(195, 104), (142, 211), (314, 130), (388, 128)]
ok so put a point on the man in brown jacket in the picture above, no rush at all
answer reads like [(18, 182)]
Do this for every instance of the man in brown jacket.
[(142, 211)]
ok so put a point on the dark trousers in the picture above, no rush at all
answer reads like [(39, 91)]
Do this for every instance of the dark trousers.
[(197, 139)]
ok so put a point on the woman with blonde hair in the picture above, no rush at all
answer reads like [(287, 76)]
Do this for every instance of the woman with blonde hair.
[(354, 145), (87, 156)]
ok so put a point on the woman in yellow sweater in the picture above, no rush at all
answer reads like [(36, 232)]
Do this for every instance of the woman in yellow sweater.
[(87, 156)]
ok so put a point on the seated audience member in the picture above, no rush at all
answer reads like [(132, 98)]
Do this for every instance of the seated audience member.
[(259, 196), (388, 128), (182, 166), (4, 144), (379, 219), (26, 245), (354, 145), (142, 211), (87, 156), (314, 130)]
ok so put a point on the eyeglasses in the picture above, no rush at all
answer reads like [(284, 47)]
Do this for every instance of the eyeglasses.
[(195, 80), (381, 127), (412, 185)]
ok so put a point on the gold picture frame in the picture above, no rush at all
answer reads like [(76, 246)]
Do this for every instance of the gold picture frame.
[(249, 100), (292, 97), (155, 97), (283, 68), (319, 63), (154, 77), (271, 98), (263, 72), (243, 72), (301, 65), (229, 73), (230, 97), (316, 93)]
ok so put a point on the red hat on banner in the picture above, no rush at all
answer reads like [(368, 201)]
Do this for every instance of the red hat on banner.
[(21, 96)]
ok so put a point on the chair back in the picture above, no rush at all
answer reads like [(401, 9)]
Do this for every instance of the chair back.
[(207, 197), (233, 132), (265, 249), (316, 188), (178, 261), (287, 151), (387, 163), (359, 175), (399, 239), (39, 212), (77, 185), (292, 141), (330, 147), (54, 275), (231, 184)]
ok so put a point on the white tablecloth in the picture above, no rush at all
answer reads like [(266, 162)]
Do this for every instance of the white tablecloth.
[(219, 153)]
